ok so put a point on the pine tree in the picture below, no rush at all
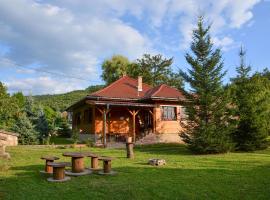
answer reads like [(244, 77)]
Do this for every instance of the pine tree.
[(242, 70), (207, 129), (42, 125), (251, 102), (27, 133), (64, 128)]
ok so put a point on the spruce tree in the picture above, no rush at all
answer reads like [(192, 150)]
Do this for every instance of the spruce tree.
[(251, 102), (207, 129), (42, 125), (27, 133), (64, 128)]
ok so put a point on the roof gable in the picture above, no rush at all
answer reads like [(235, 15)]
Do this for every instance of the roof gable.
[(164, 91), (124, 88)]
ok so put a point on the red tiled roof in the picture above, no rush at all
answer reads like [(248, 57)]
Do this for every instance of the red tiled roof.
[(164, 91), (123, 88)]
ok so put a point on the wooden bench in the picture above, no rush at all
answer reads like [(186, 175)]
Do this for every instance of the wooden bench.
[(48, 159), (58, 172), (107, 166)]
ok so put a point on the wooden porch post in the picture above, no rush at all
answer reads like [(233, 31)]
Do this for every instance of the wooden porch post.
[(153, 113), (94, 122), (133, 113), (154, 120), (104, 127), (104, 113)]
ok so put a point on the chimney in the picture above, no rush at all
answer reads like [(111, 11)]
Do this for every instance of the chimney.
[(139, 83)]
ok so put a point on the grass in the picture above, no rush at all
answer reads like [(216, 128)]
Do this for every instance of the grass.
[(186, 176), (60, 140)]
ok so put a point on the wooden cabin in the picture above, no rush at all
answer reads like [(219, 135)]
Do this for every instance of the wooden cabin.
[(129, 107)]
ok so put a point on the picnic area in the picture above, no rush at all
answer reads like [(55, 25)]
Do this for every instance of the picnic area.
[(185, 176)]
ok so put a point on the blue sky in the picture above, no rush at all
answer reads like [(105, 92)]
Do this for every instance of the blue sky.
[(70, 38)]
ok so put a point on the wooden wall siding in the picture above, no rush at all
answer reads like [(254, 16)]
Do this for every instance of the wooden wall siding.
[(167, 126), (85, 127), (118, 121)]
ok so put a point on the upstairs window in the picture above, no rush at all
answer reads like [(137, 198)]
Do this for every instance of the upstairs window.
[(169, 113)]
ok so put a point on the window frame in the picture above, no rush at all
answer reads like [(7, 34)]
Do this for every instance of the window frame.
[(166, 117)]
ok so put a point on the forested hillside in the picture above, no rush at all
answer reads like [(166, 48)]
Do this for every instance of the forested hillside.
[(59, 102)]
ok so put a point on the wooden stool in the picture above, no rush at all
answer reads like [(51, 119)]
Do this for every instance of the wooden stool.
[(48, 169), (94, 161), (107, 166), (58, 172), (129, 147)]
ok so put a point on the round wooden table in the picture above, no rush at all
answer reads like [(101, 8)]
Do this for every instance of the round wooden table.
[(77, 163), (49, 169)]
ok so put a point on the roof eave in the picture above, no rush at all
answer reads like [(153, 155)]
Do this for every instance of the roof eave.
[(111, 98)]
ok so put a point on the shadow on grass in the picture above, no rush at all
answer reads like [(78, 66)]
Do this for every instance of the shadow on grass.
[(164, 149)]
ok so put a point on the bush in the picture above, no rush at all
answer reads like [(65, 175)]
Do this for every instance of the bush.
[(75, 136)]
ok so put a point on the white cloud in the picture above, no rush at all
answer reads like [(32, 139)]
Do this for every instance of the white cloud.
[(41, 85), (61, 41), (73, 37), (225, 43)]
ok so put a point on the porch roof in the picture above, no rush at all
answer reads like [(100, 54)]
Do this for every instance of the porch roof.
[(119, 103)]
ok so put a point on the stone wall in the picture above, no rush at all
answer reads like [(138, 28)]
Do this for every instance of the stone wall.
[(10, 139)]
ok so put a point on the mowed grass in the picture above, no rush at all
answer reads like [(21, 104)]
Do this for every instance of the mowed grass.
[(186, 176)]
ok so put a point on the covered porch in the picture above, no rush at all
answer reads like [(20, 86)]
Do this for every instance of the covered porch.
[(118, 120)]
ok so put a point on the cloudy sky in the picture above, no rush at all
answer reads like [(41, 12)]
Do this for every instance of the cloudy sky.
[(70, 39)]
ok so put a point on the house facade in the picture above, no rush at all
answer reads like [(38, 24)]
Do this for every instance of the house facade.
[(129, 108)]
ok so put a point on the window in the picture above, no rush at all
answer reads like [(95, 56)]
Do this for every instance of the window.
[(85, 116), (169, 113), (88, 116), (78, 118)]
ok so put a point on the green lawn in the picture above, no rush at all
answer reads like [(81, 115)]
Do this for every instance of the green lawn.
[(186, 176), (60, 140)]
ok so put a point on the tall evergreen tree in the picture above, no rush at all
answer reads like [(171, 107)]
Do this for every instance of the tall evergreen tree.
[(243, 70), (42, 125), (207, 129), (251, 102), (26, 130)]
